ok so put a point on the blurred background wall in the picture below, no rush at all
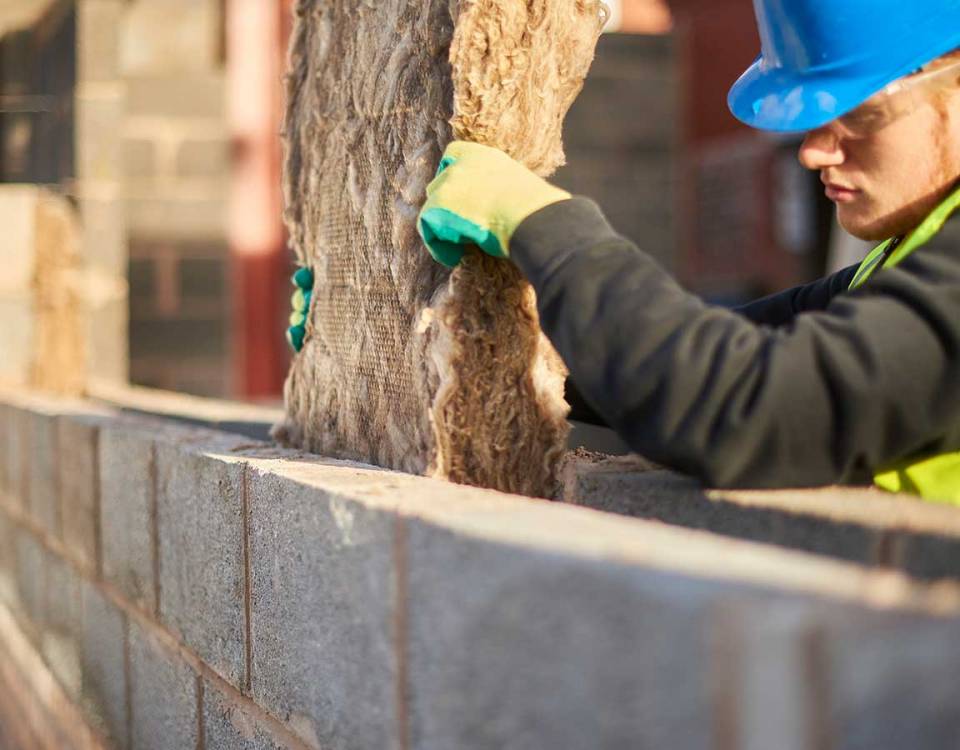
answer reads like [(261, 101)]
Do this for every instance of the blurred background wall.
[(158, 120), (62, 103), (177, 168)]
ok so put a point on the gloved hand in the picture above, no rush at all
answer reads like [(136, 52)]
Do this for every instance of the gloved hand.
[(479, 197), (300, 301)]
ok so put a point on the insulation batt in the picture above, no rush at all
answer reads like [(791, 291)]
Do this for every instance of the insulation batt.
[(406, 364)]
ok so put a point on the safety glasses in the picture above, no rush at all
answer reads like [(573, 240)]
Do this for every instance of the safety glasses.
[(895, 101)]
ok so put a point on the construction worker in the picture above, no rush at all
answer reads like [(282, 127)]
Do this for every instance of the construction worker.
[(852, 379)]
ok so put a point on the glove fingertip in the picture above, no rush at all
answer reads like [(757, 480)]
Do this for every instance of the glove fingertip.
[(446, 253), (456, 149), (444, 249), (445, 162), (295, 337), (298, 300)]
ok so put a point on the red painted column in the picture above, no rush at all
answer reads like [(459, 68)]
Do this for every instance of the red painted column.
[(256, 34)]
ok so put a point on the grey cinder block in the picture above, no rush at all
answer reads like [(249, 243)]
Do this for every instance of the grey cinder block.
[(519, 648), (201, 571), (14, 457), (8, 562), (676, 499), (163, 696), (31, 580), (104, 679), (228, 726), (927, 555), (126, 512), (62, 623), (771, 694), (322, 602), (80, 487), (43, 474), (62, 596), (6, 417), (891, 681)]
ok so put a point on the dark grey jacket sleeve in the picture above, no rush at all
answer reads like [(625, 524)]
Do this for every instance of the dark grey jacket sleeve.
[(830, 397), (781, 308), (775, 310)]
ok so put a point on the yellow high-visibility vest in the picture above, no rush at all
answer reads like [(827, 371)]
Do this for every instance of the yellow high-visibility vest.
[(936, 477)]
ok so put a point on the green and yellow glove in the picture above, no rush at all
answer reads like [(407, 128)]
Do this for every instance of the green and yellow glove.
[(300, 302), (479, 197)]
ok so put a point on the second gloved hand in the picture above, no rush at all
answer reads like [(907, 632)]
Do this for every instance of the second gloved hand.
[(479, 197)]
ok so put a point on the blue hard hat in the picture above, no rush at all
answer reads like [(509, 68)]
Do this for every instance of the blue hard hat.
[(822, 58)]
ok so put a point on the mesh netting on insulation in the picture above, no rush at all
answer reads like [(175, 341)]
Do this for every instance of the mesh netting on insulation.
[(405, 364)]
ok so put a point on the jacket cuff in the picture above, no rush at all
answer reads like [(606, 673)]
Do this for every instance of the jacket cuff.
[(547, 238)]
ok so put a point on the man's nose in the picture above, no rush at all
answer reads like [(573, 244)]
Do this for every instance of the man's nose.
[(820, 149)]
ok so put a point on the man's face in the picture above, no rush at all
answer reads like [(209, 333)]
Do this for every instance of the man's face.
[(885, 183)]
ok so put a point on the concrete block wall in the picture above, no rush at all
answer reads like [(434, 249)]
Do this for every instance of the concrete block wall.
[(622, 140), (176, 174), (220, 593), (100, 107), (861, 525)]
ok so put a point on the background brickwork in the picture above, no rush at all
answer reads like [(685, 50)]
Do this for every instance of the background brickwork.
[(176, 157), (622, 142), (100, 109)]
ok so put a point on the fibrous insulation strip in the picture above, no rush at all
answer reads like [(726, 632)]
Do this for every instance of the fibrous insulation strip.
[(406, 364)]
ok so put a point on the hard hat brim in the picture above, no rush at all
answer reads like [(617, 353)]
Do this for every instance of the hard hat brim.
[(775, 99)]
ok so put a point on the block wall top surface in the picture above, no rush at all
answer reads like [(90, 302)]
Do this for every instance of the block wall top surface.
[(555, 528)]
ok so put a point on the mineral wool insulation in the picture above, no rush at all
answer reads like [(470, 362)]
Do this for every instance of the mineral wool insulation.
[(406, 364)]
